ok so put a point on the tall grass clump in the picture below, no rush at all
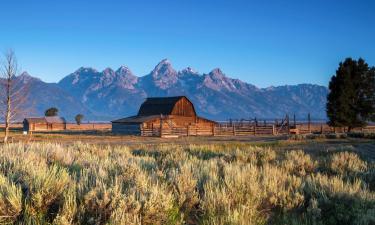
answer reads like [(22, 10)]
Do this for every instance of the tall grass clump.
[(46, 183)]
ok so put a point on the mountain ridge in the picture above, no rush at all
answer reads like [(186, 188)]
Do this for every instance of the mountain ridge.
[(111, 94)]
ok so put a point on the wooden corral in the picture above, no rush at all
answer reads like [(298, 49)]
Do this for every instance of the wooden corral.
[(48, 123), (165, 117), (88, 126)]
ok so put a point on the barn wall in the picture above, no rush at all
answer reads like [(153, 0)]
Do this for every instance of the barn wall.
[(43, 127), (38, 127), (184, 107), (121, 128), (55, 126)]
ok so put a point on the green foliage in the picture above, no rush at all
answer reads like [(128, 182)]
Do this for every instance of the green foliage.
[(351, 100), (168, 184), (78, 118), (51, 112)]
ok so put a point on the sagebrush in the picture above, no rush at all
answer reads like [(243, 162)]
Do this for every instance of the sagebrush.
[(169, 184)]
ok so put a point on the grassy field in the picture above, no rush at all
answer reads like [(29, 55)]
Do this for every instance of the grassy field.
[(104, 179)]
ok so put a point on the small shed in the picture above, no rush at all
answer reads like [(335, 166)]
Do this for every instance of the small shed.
[(165, 116), (48, 123)]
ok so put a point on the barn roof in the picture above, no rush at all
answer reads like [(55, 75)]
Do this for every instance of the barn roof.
[(157, 106), (55, 119), (46, 119), (36, 120)]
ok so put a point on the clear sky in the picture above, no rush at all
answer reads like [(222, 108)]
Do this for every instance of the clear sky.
[(261, 42)]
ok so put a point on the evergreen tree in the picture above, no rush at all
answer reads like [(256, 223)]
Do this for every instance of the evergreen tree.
[(351, 101), (51, 112), (78, 118)]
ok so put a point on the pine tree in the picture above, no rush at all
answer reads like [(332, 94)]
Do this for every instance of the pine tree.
[(351, 101)]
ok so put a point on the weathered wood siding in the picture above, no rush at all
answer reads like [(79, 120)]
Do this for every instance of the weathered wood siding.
[(184, 108), (43, 127)]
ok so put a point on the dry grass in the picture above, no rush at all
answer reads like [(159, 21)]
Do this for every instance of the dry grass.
[(232, 183)]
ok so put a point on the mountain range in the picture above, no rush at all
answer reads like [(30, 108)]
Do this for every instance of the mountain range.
[(112, 94)]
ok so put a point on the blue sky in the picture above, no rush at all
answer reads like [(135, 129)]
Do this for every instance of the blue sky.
[(261, 42)]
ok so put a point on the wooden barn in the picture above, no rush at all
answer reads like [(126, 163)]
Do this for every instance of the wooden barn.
[(163, 117), (48, 123)]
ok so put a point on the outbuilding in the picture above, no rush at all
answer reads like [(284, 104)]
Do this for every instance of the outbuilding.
[(48, 123), (165, 117)]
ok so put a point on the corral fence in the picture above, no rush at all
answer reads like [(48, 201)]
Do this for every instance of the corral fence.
[(251, 127)]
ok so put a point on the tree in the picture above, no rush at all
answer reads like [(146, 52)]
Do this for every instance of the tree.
[(351, 100), (14, 91), (79, 118), (53, 111)]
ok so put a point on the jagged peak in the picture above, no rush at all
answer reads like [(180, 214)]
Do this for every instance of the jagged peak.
[(164, 61), (217, 73), (124, 70), (163, 68), (189, 70), (24, 74), (85, 70), (25, 77), (108, 70)]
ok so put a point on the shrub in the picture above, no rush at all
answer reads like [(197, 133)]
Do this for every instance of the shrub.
[(10, 200), (347, 163), (298, 163), (168, 184)]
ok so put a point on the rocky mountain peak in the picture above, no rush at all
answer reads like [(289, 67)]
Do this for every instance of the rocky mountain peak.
[(25, 77), (189, 71), (164, 68), (86, 70), (108, 72), (163, 75), (124, 70), (217, 73)]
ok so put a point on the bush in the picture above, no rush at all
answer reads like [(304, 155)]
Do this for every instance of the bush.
[(167, 184), (10, 200), (347, 163), (298, 163)]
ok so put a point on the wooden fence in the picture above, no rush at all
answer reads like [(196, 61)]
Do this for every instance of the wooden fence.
[(209, 131)]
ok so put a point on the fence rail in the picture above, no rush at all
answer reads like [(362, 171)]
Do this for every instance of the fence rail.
[(209, 131)]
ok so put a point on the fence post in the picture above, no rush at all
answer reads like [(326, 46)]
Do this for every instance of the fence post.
[(309, 122), (161, 126), (234, 130), (255, 128), (187, 131), (213, 130), (288, 124)]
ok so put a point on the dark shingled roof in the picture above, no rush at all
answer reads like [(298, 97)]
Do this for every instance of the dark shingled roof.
[(157, 106), (46, 119), (36, 120), (55, 119)]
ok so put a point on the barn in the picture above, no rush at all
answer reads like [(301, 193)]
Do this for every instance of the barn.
[(164, 117), (48, 123)]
